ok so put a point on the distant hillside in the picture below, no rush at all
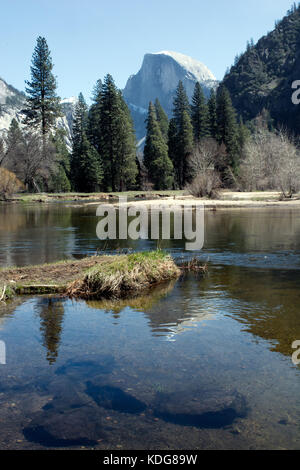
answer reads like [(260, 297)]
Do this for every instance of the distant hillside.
[(262, 77)]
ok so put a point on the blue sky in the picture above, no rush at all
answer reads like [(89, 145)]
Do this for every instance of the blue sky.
[(89, 38)]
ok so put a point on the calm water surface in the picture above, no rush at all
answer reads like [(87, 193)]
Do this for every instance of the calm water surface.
[(203, 363)]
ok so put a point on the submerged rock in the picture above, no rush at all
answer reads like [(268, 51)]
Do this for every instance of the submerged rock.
[(87, 366), (203, 409), (73, 427), (114, 398)]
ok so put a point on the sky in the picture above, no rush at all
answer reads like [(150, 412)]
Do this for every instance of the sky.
[(90, 38)]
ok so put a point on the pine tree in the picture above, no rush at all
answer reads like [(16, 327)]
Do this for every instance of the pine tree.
[(185, 148), (93, 128), (42, 102), (109, 119), (60, 179), (86, 165), (156, 159), (127, 165), (13, 143), (79, 120), (14, 135), (212, 115), (162, 119), (183, 138), (173, 148), (243, 135), (181, 103), (227, 131), (117, 139), (199, 114), (90, 168)]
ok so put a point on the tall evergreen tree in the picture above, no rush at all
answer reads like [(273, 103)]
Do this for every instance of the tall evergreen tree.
[(199, 114), (60, 179), (90, 168), (185, 148), (14, 135), (86, 165), (13, 143), (162, 119), (109, 119), (156, 159), (181, 103), (173, 148), (212, 115), (183, 138), (127, 160), (227, 131), (117, 142), (42, 102), (94, 115)]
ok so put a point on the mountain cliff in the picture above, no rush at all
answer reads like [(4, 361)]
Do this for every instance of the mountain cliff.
[(158, 78), (262, 77)]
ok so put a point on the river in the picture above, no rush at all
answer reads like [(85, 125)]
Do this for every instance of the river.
[(202, 363)]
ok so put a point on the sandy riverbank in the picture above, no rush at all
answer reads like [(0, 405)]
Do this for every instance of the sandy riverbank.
[(227, 200)]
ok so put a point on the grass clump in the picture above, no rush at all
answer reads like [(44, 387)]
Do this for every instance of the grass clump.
[(125, 275)]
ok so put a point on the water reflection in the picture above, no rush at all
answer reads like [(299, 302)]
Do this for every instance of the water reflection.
[(36, 233), (198, 363), (266, 302), (170, 309), (51, 313)]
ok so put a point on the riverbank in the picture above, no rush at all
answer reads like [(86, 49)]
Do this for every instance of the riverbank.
[(227, 199), (89, 197), (91, 278)]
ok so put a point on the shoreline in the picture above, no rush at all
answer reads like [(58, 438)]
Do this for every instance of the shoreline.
[(227, 199)]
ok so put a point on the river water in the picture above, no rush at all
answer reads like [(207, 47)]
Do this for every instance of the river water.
[(202, 363)]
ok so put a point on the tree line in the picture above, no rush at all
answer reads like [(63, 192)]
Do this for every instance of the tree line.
[(171, 146), (203, 147), (35, 155)]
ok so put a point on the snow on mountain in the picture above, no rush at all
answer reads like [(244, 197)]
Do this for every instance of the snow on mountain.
[(193, 66), (158, 78)]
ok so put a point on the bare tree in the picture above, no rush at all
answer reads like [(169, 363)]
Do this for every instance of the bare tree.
[(30, 157), (271, 161), (205, 157)]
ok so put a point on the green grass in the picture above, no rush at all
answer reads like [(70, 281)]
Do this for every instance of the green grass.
[(125, 274), (95, 277)]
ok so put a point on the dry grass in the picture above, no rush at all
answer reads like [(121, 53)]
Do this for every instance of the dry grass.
[(125, 275), (193, 265), (97, 277)]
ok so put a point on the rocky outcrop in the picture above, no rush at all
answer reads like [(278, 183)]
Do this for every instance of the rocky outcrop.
[(158, 78)]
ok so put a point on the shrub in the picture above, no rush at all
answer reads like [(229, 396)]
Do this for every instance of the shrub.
[(206, 184), (9, 183)]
